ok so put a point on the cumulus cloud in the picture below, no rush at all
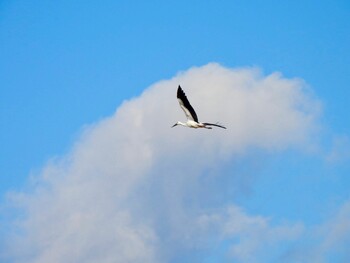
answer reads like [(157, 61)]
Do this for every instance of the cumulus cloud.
[(252, 234), (134, 190)]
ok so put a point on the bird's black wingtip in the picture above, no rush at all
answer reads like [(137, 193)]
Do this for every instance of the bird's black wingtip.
[(180, 92)]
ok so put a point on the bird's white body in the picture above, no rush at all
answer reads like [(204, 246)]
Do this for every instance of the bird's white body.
[(192, 119), (193, 124)]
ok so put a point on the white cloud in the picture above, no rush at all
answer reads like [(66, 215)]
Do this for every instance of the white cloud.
[(254, 235), (340, 149), (326, 242), (336, 233), (131, 190)]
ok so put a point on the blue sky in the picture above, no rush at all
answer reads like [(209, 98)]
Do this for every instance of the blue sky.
[(65, 67)]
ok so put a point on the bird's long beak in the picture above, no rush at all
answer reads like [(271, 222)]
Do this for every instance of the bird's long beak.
[(174, 125)]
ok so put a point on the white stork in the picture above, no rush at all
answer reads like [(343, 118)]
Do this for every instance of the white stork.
[(192, 119)]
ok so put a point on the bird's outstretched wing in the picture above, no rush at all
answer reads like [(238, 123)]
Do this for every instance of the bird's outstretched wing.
[(185, 105)]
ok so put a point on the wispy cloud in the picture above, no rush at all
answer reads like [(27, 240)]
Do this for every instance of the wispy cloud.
[(340, 149), (131, 189), (336, 234), (326, 242)]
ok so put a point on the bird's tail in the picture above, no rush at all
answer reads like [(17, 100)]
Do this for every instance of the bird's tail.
[(212, 124)]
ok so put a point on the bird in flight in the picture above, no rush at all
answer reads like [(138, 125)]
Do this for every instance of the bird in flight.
[(192, 119)]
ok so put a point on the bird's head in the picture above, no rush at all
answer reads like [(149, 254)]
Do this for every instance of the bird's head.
[(175, 125)]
